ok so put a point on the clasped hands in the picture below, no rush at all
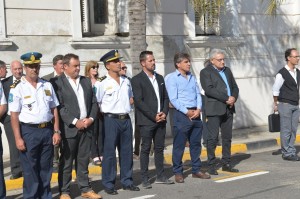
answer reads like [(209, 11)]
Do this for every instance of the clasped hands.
[(192, 114), (230, 101), (83, 123), (160, 117)]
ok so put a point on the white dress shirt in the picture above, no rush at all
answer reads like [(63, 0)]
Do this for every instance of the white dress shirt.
[(279, 80), (77, 88), (156, 89)]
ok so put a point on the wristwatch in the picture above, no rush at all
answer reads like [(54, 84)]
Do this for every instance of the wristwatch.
[(57, 131)]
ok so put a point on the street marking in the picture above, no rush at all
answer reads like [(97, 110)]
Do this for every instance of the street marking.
[(144, 197), (240, 176)]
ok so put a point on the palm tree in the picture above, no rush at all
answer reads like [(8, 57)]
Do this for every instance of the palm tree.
[(137, 22)]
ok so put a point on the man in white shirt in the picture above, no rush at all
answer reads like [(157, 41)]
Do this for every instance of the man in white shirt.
[(78, 110), (286, 101)]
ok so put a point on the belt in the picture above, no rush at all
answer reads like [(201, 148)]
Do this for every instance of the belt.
[(40, 126), (117, 116), (192, 108)]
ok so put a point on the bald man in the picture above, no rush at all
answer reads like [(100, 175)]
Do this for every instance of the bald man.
[(15, 166)]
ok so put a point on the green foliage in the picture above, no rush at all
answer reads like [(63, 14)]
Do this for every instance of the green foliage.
[(271, 6)]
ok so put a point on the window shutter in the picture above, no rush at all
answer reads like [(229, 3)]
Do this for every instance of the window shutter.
[(84, 4)]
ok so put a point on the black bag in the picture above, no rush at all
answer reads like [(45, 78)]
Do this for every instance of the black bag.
[(274, 122)]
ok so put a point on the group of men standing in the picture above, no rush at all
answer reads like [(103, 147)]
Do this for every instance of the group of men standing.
[(61, 112)]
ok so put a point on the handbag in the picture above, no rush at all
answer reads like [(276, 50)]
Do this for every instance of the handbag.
[(274, 122)]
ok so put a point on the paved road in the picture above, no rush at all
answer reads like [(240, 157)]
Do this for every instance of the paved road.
[(262, 175)]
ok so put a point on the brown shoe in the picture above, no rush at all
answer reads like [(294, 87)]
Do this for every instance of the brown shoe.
[(65, 196), (91, 195), (179, 178), (201, 175)]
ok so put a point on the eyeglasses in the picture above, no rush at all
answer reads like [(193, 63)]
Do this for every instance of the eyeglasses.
[(95, 67), (219, 60), (297, 57), (124, 68)]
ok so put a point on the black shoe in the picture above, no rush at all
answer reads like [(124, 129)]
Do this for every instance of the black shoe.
[(212, 171), (163, 180), (13, 177), (229, 168), (111, 191), (291, 158), (146, 185), (131, 188)]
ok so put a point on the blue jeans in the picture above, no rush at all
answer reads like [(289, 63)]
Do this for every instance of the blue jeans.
[(289, 116), (2, 182), (185, 129)]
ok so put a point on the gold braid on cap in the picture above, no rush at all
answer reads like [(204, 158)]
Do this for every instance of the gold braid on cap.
[(32, 60)]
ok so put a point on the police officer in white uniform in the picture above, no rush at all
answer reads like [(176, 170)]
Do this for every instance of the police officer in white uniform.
[(35, 123), (3, 107), (113, 97)]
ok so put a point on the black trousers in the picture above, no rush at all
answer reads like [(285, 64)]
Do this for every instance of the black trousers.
[(75, 149), (157, 133), (15, 164), (97, 139), (213, 124)]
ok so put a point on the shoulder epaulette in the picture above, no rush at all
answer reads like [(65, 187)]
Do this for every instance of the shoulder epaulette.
[(44, 79), (100, 79), (16, 82)]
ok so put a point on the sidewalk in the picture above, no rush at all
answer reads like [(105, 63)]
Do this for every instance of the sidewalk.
[(250, 140)]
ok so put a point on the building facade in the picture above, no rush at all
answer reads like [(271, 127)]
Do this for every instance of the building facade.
[(254, 42)]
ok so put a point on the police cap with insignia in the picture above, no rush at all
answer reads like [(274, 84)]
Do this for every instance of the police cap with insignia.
[(31, 58), (110, 56)]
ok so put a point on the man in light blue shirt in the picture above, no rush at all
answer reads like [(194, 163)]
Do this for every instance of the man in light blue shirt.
[(184, 95)]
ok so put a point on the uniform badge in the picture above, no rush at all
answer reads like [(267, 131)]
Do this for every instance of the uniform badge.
[(47, 92), (10, 98), (30, 107)]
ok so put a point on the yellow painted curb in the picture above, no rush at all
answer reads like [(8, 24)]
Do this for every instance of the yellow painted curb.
[(296, 141), (96, 170)]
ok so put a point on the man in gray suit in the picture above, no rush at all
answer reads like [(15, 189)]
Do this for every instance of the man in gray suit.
[(15, 165), (78, 110), (58, 67), (221, 93)]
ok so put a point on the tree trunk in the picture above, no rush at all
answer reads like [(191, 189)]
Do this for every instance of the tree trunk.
[(137, 32)]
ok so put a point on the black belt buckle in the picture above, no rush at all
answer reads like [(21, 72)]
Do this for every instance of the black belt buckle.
[(42, 125)]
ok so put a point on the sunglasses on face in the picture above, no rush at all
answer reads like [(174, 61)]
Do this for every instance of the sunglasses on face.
[(95, 67), (124, 68)]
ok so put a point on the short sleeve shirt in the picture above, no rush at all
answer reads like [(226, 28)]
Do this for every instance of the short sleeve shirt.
[(33, 104), (113, 97), (2, 96)]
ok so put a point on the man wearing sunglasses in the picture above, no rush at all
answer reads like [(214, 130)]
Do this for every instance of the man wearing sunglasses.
[(221, 93)]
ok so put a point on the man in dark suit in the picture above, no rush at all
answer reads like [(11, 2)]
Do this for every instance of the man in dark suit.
[(58, 67), (15, 165), (221, 93), (78, 110), (151, 105)]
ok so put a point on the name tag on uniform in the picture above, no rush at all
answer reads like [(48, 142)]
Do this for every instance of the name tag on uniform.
[(47, 92), (109, 87), (27, 97)]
